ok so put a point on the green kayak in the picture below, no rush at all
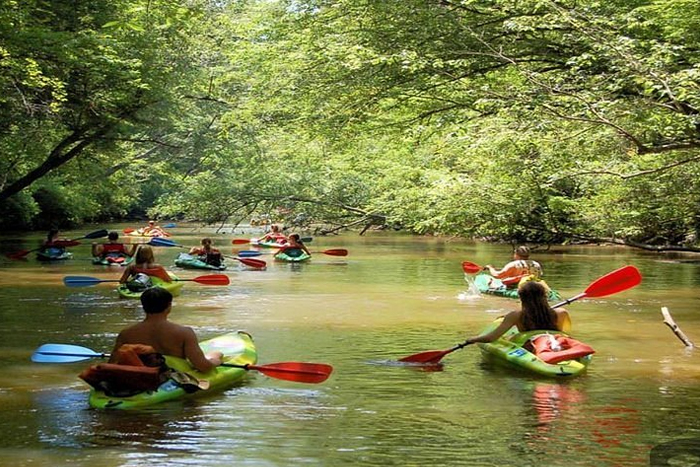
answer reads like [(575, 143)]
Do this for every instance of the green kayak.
[(509, 350), (187, 261), (267, 243), (112, 260), (53, 254), (292, 255), (172, 287), (238, 349), (488, 284)]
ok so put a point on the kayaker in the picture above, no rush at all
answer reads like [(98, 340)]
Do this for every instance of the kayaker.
[(274, 235), (521, 266), (113, 247), (535, 314), (294, 243), (144, 265), (52, 244), (164, 336), (207, 252), (153, 230)]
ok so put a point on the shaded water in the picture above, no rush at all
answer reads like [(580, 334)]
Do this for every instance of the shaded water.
[(393, 296)]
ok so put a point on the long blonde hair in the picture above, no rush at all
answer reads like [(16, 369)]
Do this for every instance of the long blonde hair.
[(144, 255)]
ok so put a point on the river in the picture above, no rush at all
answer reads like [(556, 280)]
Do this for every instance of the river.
[(393, 295)]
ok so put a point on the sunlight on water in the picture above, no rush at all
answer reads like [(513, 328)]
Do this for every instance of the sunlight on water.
[(392, 297)]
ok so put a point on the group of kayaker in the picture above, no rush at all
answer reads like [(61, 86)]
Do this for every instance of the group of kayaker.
[(535, 313)]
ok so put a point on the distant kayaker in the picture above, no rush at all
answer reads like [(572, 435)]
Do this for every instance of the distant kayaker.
[(535, 314), (144, 264), (164, 336), (53, 243), (153, 230), (521, 266), (274, 235), (294, 243), (207, 252), (113, 247)]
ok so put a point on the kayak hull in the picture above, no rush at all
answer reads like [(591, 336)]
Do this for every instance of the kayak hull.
[(238, 348), (187, 261), (488, 284), (292, 255), (113, 260), (508, 351), (53, 254), (266, 244), (173, 287)]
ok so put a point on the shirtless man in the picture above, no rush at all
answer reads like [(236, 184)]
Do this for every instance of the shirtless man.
[(164, 336)]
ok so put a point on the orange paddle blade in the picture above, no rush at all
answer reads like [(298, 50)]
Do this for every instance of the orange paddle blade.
[(426, 358), (211, 279), (240, 241), (128, 231), (471, 268), (336, 252), (253, 263)]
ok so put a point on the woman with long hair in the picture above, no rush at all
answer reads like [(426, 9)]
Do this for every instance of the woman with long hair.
[(534, 314)]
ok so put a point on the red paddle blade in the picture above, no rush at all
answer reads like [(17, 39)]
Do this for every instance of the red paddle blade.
[(471, 268), (212, 279), (253, 263), (128, 231), (430, 357), (614, 282), (19, 255), (336, 252), (240, 241), (296, 371)]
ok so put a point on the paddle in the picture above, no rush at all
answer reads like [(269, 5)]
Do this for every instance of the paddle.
[(336, 252), (243, 241), (290, 371), (253, 263), (471, 268), (617, 281), (63, 243), (248, 253), (87, 281)]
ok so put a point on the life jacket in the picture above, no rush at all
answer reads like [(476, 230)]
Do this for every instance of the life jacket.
[(158, 272), (558, 348), (528, 270), (137, 368), (212, 257), (113, 248)]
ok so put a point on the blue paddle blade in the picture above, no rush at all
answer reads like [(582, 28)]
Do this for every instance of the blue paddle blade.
[(248, 253), (63, 353), (81, 281), (169, 226), (159, 241)]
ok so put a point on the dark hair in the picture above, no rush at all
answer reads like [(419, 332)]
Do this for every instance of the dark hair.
[(156, 300), (537, 314), (523, 252), (113, 235)]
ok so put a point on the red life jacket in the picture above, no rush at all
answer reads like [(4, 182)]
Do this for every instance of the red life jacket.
[(158, 272), (558, 348), (112, 248)]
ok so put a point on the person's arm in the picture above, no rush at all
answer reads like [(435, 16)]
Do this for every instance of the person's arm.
[(563, 320), (117, 344), (127, 273), (97, 249), (193, 353), (507, 271), (130, 250), (195, 251), (510, 320)]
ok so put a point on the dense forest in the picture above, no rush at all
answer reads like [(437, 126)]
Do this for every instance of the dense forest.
[(521, 120)]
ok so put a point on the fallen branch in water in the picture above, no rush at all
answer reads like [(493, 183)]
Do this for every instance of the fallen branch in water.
[(668, 321)]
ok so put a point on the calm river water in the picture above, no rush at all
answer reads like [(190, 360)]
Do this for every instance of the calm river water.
[(393, 296)]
